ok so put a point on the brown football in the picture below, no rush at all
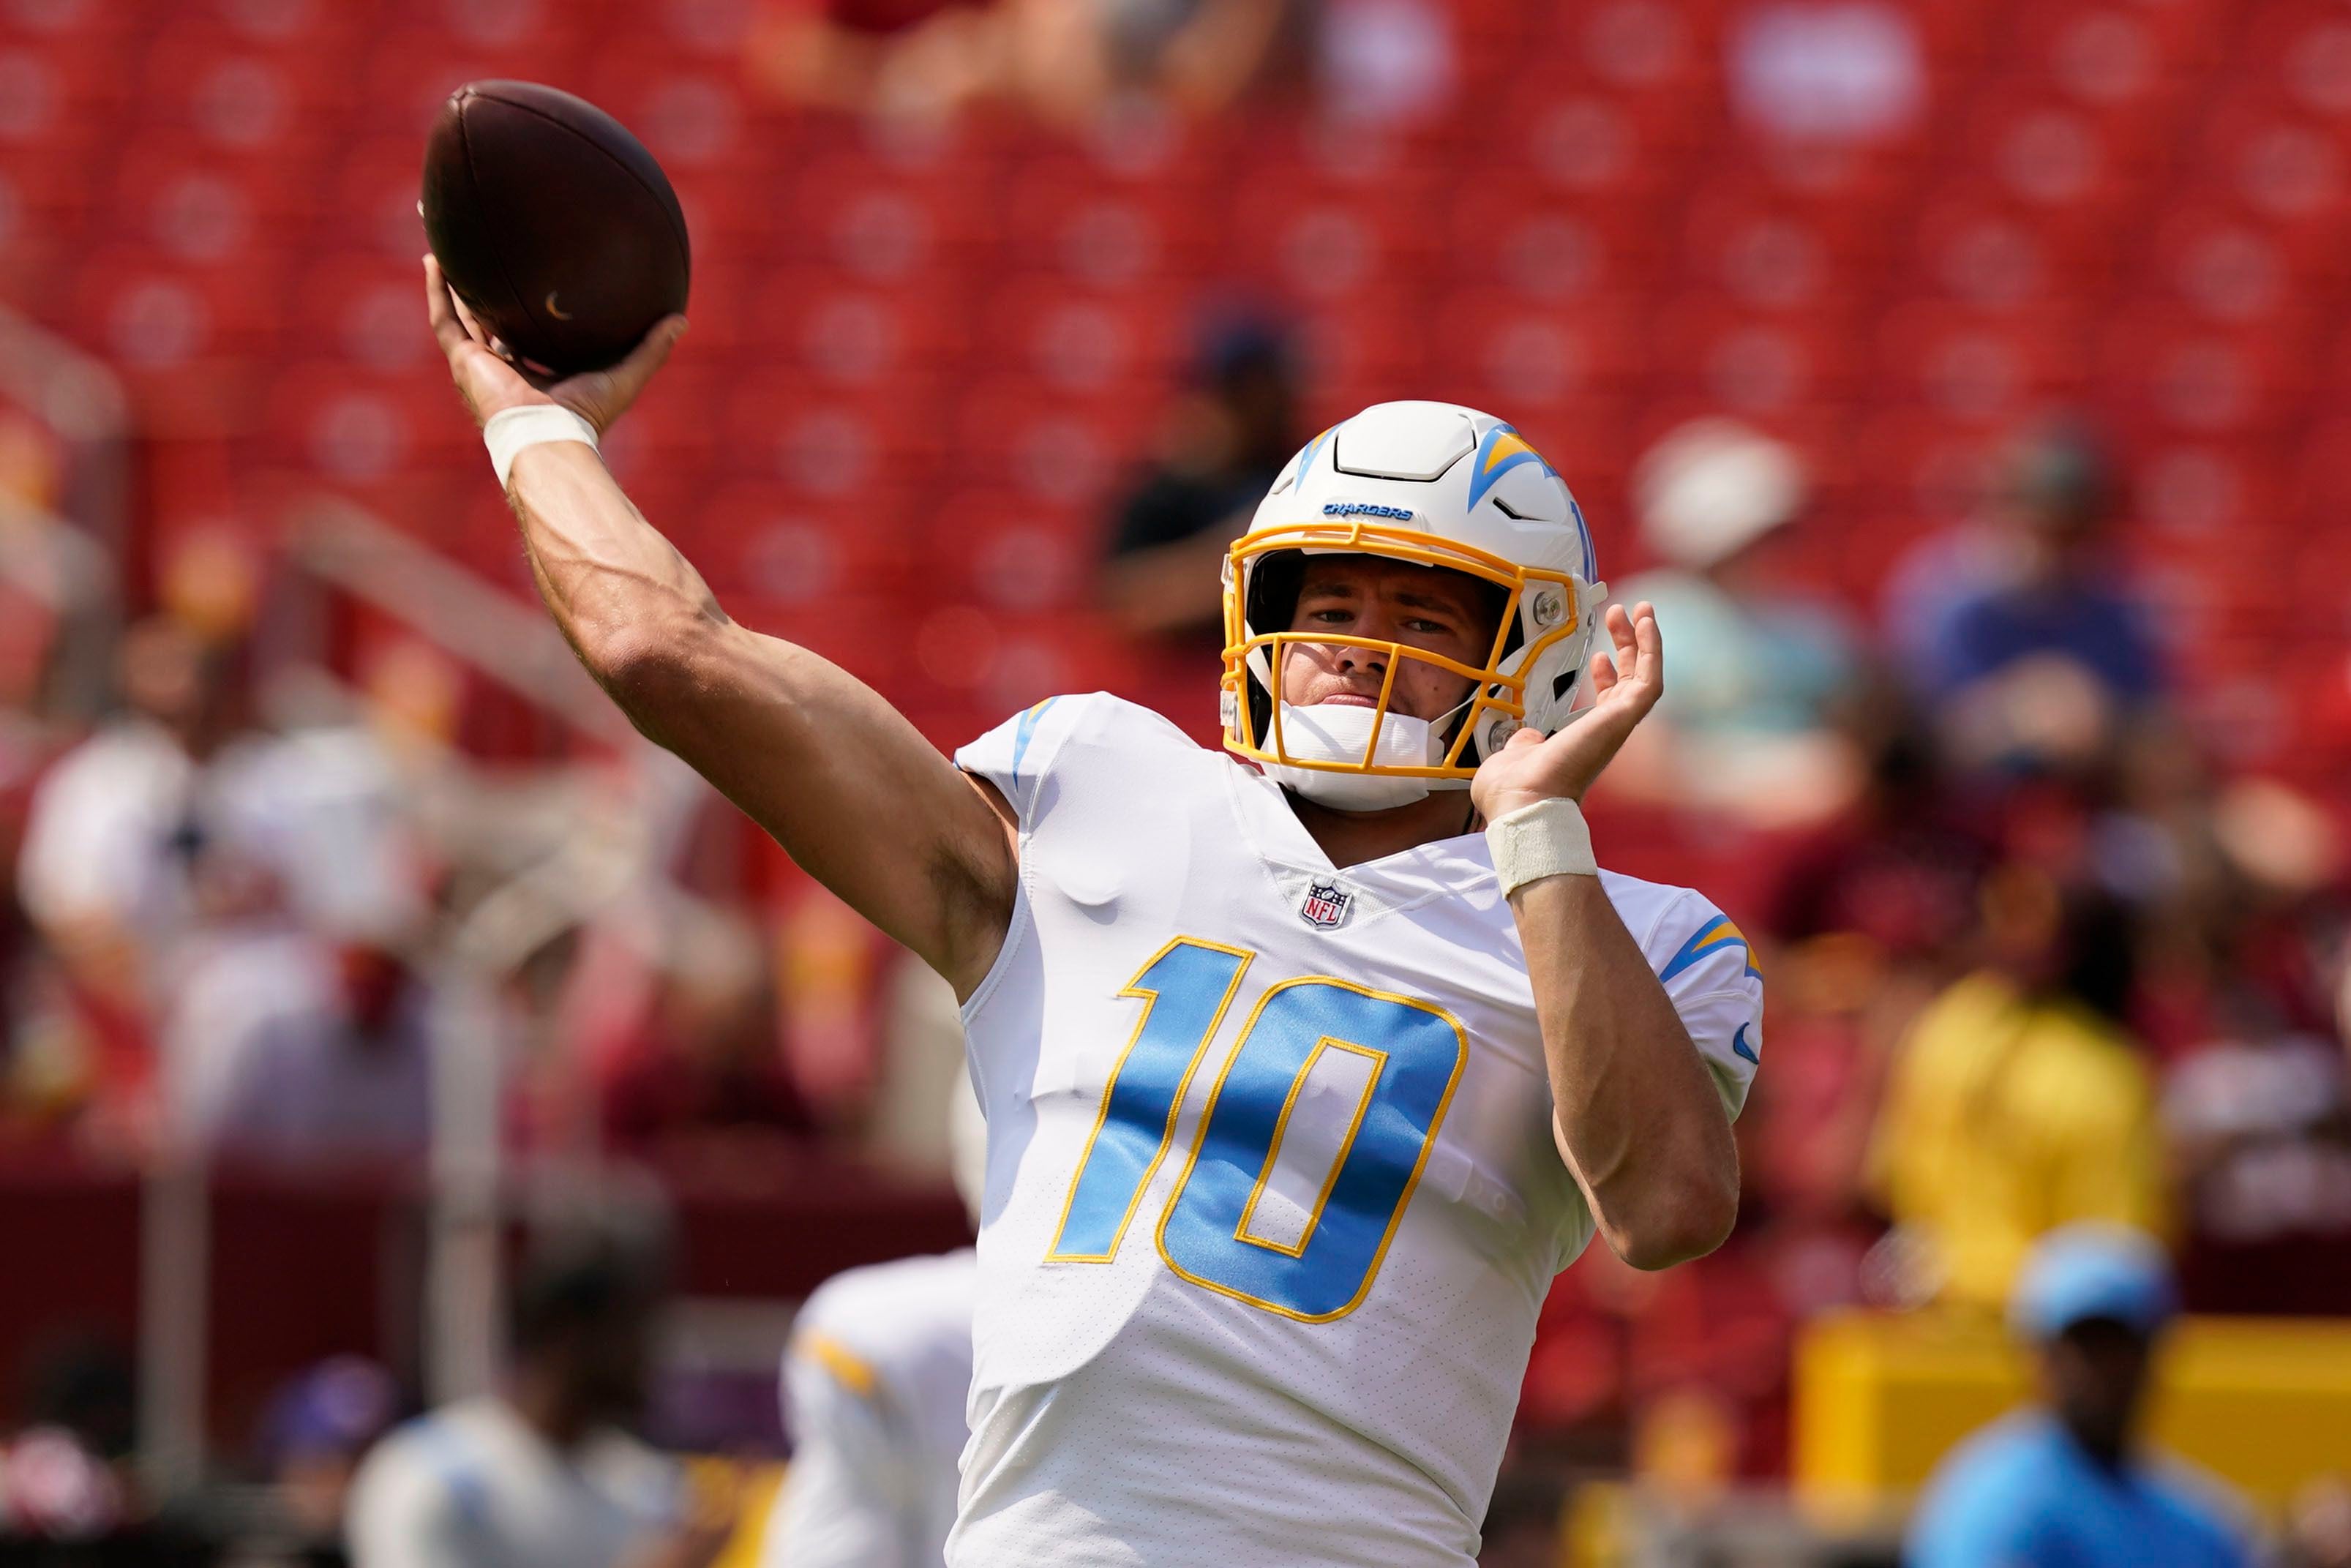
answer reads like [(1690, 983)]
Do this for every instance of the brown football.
[(554, 224)]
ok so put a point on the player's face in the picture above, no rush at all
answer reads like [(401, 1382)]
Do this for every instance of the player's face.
[(1387, 601)]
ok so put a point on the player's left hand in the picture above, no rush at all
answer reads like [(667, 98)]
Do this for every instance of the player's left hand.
[(1626, 686)]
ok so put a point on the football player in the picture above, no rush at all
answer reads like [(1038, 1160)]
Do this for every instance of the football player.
[(874, 1382), (1306, 1063)]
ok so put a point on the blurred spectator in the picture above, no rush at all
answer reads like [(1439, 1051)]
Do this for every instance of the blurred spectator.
[(1384, 64), (542, 1475), (1827, 70), (2318, 1525), (316, 1431), (1220, 447), (920, 60), (106, 864), (2260, 1122), (348, 1078), (1066, 61), (2068, 1483), (1760, 667), (1522, 1528), (2019, 1102), (707, 1063), (2018, 626), (310, 883), (63, 1477)]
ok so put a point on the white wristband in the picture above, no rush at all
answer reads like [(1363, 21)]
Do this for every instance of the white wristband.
[(510, 430), (1546, 838)]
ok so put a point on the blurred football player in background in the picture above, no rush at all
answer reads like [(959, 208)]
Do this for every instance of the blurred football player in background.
[(875, 1385)]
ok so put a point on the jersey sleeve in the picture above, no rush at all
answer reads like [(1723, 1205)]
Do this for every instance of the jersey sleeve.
[(1708, 968), (845, 1499), (843, 1503), (1069, 742), (1016, 755)]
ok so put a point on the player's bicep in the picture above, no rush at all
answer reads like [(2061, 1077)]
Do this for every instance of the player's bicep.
[(850, 790), (1710, 975)]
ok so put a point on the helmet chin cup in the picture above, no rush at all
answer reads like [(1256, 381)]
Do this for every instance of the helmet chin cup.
[(1341, 732)]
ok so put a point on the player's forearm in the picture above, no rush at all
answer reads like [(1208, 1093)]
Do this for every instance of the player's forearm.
[(1636, 1113), (619, 591)]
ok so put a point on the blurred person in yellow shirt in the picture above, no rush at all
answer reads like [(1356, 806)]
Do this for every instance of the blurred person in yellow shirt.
[(2020, 1101)]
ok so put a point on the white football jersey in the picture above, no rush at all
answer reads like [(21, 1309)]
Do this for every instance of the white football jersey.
[(1272, 1201), (874, 1385)]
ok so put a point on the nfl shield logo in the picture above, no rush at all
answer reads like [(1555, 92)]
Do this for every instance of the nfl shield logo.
[(1325, 905)]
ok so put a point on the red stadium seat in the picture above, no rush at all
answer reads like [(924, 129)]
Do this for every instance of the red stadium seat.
[(1973, 366), (1521, 355), (1586, 146), (1013, 553), (406, 77), (1063, 452), (147, 313), (1979, 242), (205, 84), (877, 220), (366, 308), (2057, 155), (1633, 47), (2184, 378), (204, 209), (370, 194), (1548, 251), (828, 446), (366, 434), (1364, 349), (857, 337), (1101, 233), (51, 94), (690, 119), (2209, 504), (670, 431), (1760, 364), (1083, 343), (784, 548)]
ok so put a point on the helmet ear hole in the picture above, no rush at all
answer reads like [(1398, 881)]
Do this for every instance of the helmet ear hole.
[(1561, 684)]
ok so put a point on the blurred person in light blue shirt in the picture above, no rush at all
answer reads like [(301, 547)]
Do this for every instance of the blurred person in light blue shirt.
[(2067, 1483), (1762, 668)]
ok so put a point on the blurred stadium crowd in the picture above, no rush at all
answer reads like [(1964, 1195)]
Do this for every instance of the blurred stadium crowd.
[(1964, 380)]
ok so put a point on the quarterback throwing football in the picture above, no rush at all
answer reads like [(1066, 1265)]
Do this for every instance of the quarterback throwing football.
[(1307, 1063)]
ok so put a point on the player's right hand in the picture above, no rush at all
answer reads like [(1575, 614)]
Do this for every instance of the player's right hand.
[(490, 382)]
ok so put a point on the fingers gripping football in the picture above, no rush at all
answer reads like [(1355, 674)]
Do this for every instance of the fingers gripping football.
[(1626, 682), (489, 381)]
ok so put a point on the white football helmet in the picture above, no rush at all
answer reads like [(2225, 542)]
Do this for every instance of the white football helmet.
[(1435, 485)]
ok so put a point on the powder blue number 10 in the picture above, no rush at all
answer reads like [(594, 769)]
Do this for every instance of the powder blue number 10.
[(1391, 1063)]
